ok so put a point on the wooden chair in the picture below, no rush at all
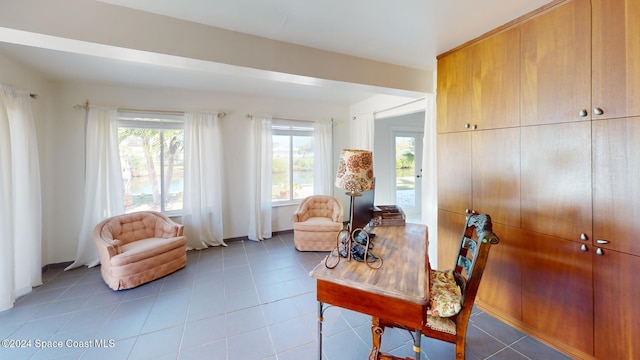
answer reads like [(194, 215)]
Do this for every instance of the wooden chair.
[(467, 273)]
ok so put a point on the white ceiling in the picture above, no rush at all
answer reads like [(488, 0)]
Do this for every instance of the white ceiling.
[(404, 32)]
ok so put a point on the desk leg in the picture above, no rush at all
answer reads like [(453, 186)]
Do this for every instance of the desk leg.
[(320, 320), (417, 337)]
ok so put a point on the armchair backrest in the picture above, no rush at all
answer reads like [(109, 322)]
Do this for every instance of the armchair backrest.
[(139, 225), (319, 206)]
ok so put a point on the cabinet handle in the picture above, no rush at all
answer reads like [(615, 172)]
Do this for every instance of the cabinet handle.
[(583, 248), (598, 111), (599, 252), (467, 125), (474, 126), (600, 241), (583, 112), (584, 237)]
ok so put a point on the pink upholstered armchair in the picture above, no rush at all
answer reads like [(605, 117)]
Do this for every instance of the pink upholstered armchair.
[(316, 223), (139, 247)]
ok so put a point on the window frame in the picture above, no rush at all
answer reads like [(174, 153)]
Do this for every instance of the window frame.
[(158, 121), (291, 128)]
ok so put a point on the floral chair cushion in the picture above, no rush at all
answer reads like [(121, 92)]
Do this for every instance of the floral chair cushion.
[(445, 297)]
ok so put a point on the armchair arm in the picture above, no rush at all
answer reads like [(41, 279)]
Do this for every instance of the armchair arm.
[(300, 215), (167, 228)]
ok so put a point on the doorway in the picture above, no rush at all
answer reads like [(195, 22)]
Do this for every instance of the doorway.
[(407, 146)]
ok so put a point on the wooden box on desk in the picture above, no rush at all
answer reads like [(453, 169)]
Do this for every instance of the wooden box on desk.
[(388, 215)]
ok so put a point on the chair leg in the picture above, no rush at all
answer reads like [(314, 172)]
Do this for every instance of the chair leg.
[(460, 344), (376, 336)]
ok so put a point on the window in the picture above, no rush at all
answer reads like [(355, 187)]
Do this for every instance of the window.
[(152, 159), (292, 176)]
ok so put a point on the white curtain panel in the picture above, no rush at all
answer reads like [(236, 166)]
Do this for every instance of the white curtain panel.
[(21, 206), (202, 214), (103, 187), (429, 178), (362, 131), (261, 150), (323, 158)]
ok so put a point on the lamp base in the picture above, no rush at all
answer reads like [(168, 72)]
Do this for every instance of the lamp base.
[(353, 243)]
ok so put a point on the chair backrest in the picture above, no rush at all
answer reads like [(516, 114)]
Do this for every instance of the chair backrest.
[(321, 206), (471, 260)]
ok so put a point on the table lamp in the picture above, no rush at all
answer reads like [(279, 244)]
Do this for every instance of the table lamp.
[(355, 174)]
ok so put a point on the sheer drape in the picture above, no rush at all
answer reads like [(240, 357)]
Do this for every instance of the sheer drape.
[(202, 214), (362, 130), (261, 150), (20, 201), (323, 158), (103, 187), (429, 178)]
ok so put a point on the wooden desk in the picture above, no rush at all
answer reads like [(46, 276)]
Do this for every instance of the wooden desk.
[(398, 291)]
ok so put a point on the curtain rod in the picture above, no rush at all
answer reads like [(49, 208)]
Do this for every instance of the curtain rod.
[(169, 112), (250, 116), (32, 95)]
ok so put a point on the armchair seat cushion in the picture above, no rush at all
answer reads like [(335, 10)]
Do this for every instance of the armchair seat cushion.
[(318, 224), (146, 248)]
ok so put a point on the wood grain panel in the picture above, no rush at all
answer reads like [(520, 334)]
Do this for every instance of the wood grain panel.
[(616, 64), (496, 81), (556, 64), (454, 172), (501, 281), (496, 174), (556, 179), (557, 293), (450, 230), (616, 185), (454, 92), (617, 320)]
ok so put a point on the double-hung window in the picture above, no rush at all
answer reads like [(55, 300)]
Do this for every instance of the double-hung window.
[(292, 177), (152, 159)]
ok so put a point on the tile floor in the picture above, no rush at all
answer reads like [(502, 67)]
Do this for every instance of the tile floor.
[(246, 301)]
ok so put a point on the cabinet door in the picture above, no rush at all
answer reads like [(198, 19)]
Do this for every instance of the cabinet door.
[(454, 91), (496, 174), (616, 64), (556, 64), (501, 281), (617, 319), (454, 171), (556, 179), (450, 230), (496, 81), (616, 185), (557, 295)]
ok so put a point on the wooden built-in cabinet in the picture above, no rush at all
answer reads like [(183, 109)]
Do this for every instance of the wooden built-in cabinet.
[(616, 184), (616, 319), (480, 85), (556, 179), (480, 173), (539, 126), (616, 58), (557, 290), (556, 65)]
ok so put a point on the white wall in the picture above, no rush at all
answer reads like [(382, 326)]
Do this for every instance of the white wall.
[(64, 156)]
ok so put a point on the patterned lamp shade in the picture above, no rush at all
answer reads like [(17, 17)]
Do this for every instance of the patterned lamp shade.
[(355, 171)]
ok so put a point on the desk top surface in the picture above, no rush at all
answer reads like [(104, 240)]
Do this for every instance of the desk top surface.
[(405, 265)]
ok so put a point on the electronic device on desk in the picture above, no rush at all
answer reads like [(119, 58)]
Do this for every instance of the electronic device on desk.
[(363, 207)]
